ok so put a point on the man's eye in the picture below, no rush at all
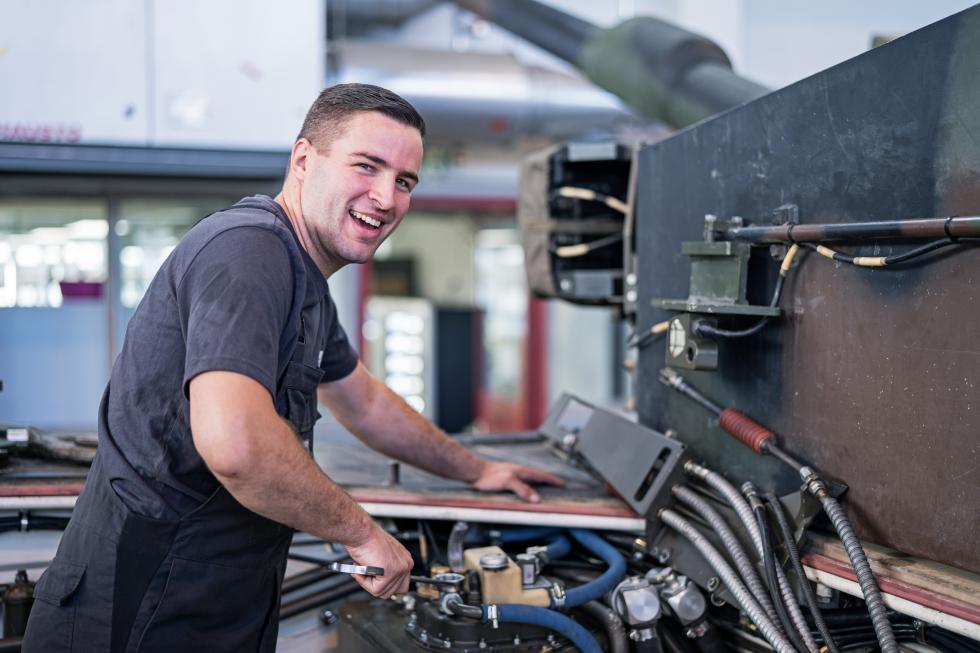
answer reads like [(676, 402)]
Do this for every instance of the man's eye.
[(366, 166), (404, 183)]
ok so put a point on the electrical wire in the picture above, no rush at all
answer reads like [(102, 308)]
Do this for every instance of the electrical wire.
[(885, 261), (641, 341), (769, 562), (572, 251), (742, 596), (735, 550), (703, 329), (794, 556), (589, 195)]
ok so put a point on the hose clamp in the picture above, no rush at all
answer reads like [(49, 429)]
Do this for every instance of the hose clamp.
[(493, 615), (558, 595)]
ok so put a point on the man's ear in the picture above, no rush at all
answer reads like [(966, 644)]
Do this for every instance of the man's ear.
[(299, 157)]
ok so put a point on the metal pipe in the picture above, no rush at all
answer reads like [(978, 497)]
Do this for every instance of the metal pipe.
[(956, 227), (665, 72)]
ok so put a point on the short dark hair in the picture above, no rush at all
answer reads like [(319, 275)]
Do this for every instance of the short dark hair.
[(337, 104)]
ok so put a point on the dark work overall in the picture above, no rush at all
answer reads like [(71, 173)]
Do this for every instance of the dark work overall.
[(208, 581)]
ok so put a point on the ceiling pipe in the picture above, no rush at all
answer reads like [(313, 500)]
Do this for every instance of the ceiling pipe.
[(665, 72), (481, 97)]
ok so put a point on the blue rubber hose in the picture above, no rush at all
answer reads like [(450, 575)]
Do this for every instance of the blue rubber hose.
[(559, 547), (604, 583), (526, 614), (511, 535)]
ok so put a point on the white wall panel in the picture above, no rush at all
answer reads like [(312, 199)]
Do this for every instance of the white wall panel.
[(73, 71), (235, 73)]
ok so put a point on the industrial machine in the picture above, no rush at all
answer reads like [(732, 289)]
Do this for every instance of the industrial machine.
[(806, 258), (800, 270)]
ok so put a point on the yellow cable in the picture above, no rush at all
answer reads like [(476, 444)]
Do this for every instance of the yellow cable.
[(570, 251), (590, 195), (825, 251), (870, 261), (788, 261)]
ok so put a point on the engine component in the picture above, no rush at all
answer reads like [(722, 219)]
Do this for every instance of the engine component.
[(641, 465), (637, 604), (501, 578)]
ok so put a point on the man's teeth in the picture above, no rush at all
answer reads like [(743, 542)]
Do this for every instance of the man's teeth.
[(364, 218)]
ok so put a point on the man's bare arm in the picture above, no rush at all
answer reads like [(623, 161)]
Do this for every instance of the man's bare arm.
[(258, 458), (382, 419)]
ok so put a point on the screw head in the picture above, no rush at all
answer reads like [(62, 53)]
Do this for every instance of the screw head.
[(713, 583), (663, 556), (328, 617)]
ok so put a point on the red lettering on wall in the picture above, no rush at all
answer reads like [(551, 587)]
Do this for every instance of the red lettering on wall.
[(40, 133)]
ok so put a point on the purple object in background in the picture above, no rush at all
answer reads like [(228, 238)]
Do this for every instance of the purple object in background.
[(81, 289)]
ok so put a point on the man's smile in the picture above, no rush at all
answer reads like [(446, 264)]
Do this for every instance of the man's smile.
[(365, 219)]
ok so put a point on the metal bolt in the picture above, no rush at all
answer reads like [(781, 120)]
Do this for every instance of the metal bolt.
[(517, 640), (663, 556), (713, 583), (671, 433), (447, 643), (482, 643), (328, 617)]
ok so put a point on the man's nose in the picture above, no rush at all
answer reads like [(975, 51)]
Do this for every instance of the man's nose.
[(382, 192)]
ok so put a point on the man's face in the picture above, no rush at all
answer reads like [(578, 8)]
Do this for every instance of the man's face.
[(357, 189)]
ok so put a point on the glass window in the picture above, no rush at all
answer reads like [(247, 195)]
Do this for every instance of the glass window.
[(50, 250)]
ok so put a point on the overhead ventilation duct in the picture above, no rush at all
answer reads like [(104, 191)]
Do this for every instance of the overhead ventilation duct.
[(481, 97)]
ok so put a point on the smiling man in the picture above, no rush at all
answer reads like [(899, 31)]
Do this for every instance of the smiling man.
[(180, 537)]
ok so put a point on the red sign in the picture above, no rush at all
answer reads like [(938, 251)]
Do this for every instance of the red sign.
[(40, 133)]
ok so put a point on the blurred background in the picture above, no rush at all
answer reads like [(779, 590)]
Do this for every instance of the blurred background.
[(124, 122)]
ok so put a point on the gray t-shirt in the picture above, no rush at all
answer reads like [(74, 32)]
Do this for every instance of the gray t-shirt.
[(225, 299)]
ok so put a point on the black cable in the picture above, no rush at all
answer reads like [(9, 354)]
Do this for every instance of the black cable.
[(769, 562), (794, 555), (708, 330), (430, 536), (897, 258), (590, 246), (949, 641)]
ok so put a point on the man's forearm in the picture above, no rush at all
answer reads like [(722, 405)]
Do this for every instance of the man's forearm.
[(285, 484), (395, 429), (400, 432)]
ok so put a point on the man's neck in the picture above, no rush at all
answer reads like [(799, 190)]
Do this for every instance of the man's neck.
[(290, 201)]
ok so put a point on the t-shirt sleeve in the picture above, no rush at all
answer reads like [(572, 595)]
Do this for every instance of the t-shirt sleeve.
[(339, 357), (234, 299)]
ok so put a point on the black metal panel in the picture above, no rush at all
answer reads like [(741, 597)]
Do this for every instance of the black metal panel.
[(871, 375)]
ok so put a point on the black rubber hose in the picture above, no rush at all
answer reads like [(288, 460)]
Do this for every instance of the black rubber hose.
[(612, 624), (794, 557), (316, 600), (311, 576), (769, 562), (949, 642)]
